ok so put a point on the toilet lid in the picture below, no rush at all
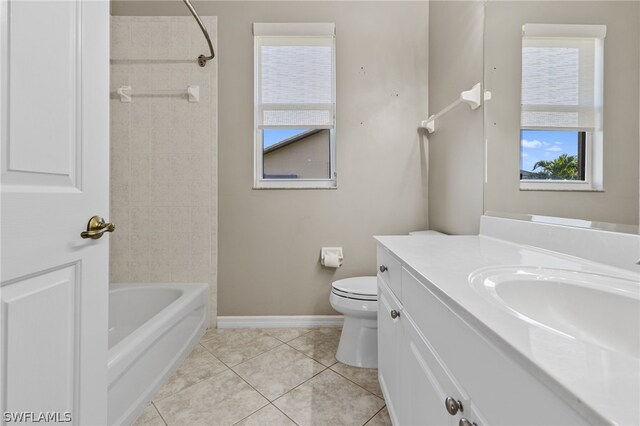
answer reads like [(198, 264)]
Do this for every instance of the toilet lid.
[(358, 287)]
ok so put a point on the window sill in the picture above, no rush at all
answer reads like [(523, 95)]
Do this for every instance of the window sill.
[(563, 186), (295, 184)]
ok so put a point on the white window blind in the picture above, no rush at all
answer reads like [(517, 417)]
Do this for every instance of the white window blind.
[(295, 75), (562, 77)]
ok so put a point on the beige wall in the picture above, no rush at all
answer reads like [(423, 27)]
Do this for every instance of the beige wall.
[(619, 201), (308, 158), (456, 149), (163, 156), (270, 240)]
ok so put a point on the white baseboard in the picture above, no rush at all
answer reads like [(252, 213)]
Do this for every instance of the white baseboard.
[(284, 321)]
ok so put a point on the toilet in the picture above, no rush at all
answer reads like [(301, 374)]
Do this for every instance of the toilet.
[(357, 299)]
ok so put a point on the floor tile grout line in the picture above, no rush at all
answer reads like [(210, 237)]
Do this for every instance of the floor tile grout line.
[(251, 386), (296, 387), (329, 367), (284, 414), (250, 414), (192, 384), (262, 408), (310, 330), (377, 412), (309, 356), (325, 369), (160, 414), (245, 360), (269, 401), (279, 396), (306, 332), (262, 330), (266, 352), (201, 345), (355, 383), (282, 343), (218, 328), (240, 377), (255, 356)]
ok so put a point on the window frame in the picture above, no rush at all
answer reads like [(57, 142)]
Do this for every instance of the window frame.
[(593, 143), (259, 182)]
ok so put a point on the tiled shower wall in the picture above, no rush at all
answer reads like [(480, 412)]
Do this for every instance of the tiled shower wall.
[(163, 154)]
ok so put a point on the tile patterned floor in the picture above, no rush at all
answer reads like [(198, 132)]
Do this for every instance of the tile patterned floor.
[(268, 377)]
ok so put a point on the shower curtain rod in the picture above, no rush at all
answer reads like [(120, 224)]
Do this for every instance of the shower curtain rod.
[(202, 60)]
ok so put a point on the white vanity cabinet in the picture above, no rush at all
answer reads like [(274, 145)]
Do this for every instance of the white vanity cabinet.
[(435, 369), (415, 384)]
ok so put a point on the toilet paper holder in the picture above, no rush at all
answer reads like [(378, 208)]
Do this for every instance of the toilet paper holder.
[(331, 257)]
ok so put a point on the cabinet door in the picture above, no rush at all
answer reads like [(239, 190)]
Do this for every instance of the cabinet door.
[(426, 384), (389, 344)]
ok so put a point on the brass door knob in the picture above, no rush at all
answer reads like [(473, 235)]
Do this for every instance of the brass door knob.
[(96, 227)]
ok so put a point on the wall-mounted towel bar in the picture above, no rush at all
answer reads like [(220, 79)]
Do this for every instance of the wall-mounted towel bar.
[(471, 97), (192, 92)]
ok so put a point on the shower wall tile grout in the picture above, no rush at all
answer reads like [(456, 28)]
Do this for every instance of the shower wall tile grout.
[(163, 155)]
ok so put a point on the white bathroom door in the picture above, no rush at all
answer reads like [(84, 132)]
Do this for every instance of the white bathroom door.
[(54, 124)]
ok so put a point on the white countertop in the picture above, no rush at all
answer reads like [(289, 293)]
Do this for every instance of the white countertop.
[(601, 384)]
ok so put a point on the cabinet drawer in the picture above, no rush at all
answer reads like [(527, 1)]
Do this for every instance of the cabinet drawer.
[(390, 271), (507, 393)]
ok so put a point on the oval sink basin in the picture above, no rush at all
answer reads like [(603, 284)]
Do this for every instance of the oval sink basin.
[(599, 309)]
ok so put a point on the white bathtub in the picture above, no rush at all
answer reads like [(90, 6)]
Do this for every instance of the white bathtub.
[(152, 328)]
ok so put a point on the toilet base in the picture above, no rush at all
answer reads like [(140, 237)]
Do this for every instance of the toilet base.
[(359, 342)]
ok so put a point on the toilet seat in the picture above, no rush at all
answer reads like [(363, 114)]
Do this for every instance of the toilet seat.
[(357, 288)]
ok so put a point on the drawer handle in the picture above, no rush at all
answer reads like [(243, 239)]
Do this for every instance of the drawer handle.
[(395, 314), (466, 422), (453, 405), (383, 268)]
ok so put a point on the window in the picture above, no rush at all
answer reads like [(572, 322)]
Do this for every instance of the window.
[(294, 105), (550, 155), (561, 130)]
